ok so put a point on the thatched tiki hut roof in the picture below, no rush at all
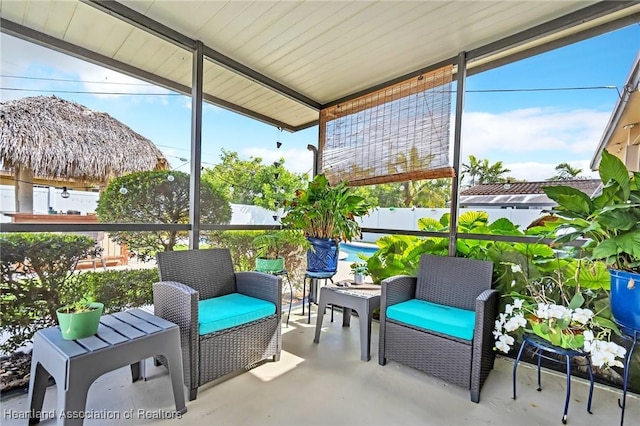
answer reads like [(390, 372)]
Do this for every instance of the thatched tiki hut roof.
[(54, 138)]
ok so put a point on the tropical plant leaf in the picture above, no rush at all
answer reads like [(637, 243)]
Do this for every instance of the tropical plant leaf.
[(629, 243), (612, 169), (444, 220), (473, 219), (593, 275), (534, 250), (429, 224), (504, 226), (606, 323), (606, 249), (556, 336), (622, 216), (577, 301), (544, 327), (569, 198)]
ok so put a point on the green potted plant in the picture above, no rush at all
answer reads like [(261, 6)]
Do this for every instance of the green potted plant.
[(359, 271), (610, 221), (79, 319), (268, 248), (326, 214)]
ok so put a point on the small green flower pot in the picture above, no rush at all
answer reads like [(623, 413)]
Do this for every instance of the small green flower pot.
[(78, 325), (269, 265)]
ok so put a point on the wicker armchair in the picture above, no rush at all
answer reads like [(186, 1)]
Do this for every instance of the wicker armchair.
[(191, 276), (459, 289)]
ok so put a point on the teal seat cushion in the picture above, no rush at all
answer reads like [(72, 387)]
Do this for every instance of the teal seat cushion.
[(443, 319), (231, 310)]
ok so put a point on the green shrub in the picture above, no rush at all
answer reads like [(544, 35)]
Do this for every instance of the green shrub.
[(118, 290), (35, 267), (244, 253), (400, 255)]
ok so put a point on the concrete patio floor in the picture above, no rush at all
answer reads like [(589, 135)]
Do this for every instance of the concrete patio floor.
[(327, 384)]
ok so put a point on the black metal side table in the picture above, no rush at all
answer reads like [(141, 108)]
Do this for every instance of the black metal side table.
[(634, 337), (313, 278), (285, 274), (541, 345)]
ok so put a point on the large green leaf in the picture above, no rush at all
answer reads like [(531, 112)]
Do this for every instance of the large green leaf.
[(575, 205), (472, 219), (606, 323), (619, 217), (612, 169), (444, 220), (606, 249), (429, 224), (629, 243), (504, 226), (534, 250), (569, 199), (589, 275)]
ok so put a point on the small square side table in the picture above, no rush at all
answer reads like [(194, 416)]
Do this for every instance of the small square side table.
[(362, 298), (124, 338)]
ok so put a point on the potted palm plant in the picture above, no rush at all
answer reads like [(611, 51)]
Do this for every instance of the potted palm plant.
[(326, 214), (610, 221), (268, 249)]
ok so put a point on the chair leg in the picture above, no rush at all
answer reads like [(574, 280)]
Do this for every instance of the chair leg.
[(276, 357), (475, 396), (193, 393)]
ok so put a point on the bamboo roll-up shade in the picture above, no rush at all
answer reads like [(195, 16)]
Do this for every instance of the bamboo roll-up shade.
[(395, 134)]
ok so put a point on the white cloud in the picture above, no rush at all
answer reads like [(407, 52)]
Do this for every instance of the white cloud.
[(295, 160), (532, 142), (536, 171), (532, 130)]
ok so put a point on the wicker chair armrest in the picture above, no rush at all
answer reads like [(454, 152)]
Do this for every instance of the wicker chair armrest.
[(486, 309), (398, 289), (178, 303), (261, 286), (483, 353)]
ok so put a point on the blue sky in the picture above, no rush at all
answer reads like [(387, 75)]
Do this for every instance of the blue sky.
[(530, 132)]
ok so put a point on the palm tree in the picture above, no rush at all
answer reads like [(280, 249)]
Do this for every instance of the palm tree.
[(493, 173), (566, 172), (472, 169), (484, 171)]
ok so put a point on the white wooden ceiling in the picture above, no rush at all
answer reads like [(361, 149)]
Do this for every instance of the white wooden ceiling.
[(322, 50)]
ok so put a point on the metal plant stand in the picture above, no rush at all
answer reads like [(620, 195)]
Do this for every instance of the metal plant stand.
[(634, 336), (540, 345), (285, 274), (313, 278)]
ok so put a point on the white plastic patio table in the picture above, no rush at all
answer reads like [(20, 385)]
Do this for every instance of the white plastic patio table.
[(363, 299), (124, 338)]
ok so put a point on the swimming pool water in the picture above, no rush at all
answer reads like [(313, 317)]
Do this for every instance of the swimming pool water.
[(352, 251)]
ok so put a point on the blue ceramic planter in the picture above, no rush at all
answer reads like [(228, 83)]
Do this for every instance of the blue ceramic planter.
[(324, 255), (625, 298)]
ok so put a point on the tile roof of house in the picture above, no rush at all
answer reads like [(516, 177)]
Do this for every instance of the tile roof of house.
[(520, 194), (589, 186)]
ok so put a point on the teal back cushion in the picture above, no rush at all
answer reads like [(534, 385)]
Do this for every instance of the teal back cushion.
[(231, 310), (443, 319)]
